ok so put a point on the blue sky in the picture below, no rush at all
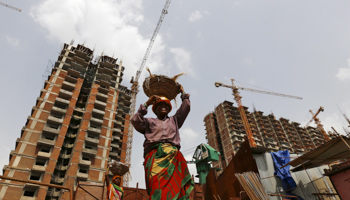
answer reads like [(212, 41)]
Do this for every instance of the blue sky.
[(299, 48)]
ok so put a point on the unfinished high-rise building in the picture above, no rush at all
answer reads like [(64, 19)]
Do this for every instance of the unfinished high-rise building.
[(79, 122), (225, 132)]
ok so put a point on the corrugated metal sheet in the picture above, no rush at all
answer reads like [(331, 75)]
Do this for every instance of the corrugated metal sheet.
[(303, 183), (336, 149), (265, 173), (308, 181)]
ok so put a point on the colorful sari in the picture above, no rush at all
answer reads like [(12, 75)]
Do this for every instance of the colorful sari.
[(166, 173), (115, 192)]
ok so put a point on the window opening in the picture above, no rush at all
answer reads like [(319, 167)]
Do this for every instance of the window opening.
[(40, 162), (29, 193), (35, 177), (45, 149)]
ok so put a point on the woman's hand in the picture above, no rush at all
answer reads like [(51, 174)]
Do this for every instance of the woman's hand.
[(152, 100)]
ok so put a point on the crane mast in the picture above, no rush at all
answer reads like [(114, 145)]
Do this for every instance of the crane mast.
[(246, 125), (238, 98), (11, 7), (150, 45), (135, 88)]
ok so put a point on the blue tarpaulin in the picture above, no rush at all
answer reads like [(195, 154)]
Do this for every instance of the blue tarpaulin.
[(281, 158)]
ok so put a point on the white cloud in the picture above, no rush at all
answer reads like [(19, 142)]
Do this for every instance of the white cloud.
[(344, 73), (196, 15), (183, 60), (12, 41), (104, 25)]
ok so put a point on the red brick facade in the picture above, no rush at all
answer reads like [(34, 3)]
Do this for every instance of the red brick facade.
[(73, 130)]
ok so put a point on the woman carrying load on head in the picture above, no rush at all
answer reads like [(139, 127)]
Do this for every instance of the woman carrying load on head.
[(114, 190), (166, 172)]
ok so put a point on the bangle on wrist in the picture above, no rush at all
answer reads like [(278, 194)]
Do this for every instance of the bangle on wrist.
[(145, 104)]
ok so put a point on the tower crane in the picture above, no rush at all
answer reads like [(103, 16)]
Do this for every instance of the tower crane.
[(318, 123), (238, 98), (12, 7), (135, 87)]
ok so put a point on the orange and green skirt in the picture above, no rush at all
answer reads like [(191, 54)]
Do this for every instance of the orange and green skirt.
[(166, 173)]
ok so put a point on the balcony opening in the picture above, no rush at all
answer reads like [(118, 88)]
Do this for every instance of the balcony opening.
[(29, 192), (56, 115), (114, 150), (64, 94), (99, 106), (67, 151), (92, 136), (78, 113), (35, 176), (66, 162), (93, 125), (54, 126), (61, 174), (45, 149), (84, 170), (60, 105), (40, 162), (74, 123), (48, 137), (68, 87), (86, 158), (90, 146), (100, 98), (97, 115)]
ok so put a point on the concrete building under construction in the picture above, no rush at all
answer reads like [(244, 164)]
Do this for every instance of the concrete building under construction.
[(225, 132), (80, 122)]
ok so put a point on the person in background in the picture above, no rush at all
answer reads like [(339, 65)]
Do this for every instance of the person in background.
[(166, 171), (114, 190)]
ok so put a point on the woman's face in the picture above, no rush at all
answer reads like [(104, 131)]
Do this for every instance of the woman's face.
[(117, 181), (162, 108)]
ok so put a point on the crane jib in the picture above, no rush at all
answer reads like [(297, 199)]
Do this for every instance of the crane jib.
[(271, 93)]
